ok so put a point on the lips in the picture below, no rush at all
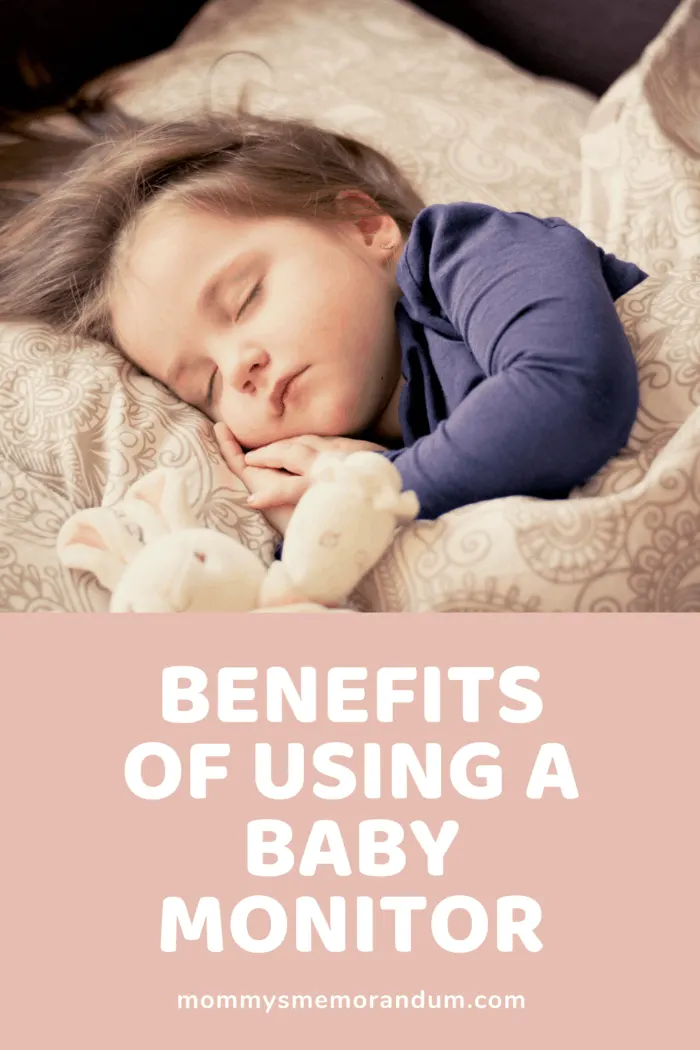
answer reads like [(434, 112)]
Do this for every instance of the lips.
[(281, 390)]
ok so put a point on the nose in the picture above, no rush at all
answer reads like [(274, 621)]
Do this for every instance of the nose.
[(248, 369)]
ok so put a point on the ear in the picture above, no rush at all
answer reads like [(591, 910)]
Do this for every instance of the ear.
[(378, 231), (158, 501), (95, 541)]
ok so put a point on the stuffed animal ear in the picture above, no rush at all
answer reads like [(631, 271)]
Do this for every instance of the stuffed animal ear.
[(404, 505), (95, 541), (158, 501)]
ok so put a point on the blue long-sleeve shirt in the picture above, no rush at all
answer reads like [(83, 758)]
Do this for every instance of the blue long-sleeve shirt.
[(519, 378)]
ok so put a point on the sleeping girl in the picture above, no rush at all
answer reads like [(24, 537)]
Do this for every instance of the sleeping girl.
[(290, 283)]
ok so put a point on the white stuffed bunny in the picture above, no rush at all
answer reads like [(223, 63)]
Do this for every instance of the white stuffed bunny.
[(150, 552)]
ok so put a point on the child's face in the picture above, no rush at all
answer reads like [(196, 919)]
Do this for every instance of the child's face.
[(278, 327)]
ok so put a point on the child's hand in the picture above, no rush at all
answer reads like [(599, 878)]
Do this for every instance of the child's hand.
[(270, 490), (296, 456)]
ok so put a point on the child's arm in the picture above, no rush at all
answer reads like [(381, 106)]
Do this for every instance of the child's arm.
[(561, 390)]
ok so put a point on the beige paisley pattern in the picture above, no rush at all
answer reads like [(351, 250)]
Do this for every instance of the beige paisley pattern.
[(78, 425)]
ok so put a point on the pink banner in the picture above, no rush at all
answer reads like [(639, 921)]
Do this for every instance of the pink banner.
[(474, 830)]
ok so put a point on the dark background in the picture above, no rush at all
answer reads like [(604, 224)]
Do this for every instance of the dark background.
[(49, 48), (587, 42)]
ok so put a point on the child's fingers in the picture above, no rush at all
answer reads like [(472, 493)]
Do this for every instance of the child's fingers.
[(285, 492), (294, 457), (230, 449), (257, 457)]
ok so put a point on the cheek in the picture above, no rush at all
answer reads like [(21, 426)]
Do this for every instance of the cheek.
[(340, 297), (244, 424), (347, 407)]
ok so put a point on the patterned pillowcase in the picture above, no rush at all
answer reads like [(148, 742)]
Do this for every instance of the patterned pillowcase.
[(640, 193)]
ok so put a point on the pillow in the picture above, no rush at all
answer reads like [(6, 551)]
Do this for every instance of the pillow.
[(641, 154), (78, 425)]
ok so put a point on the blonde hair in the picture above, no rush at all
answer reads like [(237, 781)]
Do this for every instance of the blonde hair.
[(57, 253)]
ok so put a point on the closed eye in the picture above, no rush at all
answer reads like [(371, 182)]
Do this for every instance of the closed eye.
[(209, 399), (249, 299)]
